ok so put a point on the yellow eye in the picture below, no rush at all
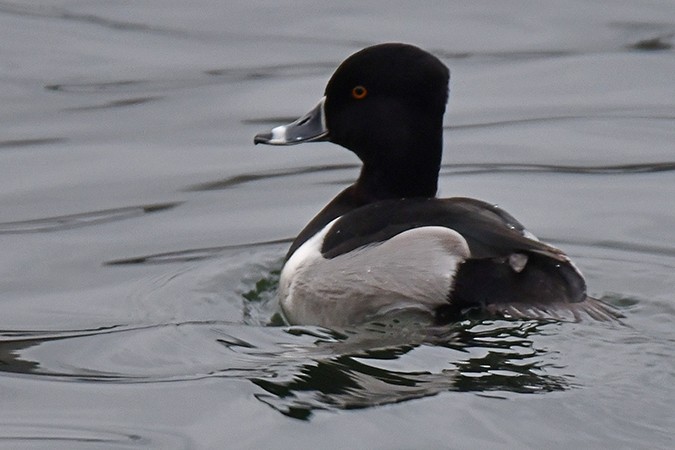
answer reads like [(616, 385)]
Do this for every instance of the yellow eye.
[(359, 92)]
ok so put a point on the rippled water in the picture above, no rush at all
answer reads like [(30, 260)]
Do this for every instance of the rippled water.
[(142, 233)]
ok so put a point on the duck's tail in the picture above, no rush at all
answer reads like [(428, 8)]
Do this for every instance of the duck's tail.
[(565, 311)]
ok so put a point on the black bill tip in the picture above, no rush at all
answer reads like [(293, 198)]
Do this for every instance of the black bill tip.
[(262, 138)]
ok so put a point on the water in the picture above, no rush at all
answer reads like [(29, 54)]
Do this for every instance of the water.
[(142, 233)]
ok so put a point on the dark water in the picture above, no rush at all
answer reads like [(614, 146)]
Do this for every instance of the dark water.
[(141, 233)]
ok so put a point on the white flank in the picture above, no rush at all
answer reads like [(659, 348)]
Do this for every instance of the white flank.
[(411, 272)]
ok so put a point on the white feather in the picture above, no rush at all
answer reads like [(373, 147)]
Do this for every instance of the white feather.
[(413, 271)]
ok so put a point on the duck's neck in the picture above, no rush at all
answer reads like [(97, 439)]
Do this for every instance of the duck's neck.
[(377, 183), (402, 173)]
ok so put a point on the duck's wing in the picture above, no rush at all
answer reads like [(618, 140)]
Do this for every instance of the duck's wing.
[(508, 271), (488, 230)]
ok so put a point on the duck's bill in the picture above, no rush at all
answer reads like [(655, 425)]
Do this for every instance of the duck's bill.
[(309, 128)]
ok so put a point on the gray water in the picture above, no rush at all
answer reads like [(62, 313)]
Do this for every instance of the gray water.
[(141, 232)]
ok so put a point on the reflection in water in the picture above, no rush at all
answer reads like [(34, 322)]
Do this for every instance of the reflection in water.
[(303, 369), (508, 362), (10, 357), (346, 383), (298, 370)]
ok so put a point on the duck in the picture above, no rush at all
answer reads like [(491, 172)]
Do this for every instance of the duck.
[(386, 247)]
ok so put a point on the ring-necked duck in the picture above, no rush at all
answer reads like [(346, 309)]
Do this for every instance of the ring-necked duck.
[(386, 245)]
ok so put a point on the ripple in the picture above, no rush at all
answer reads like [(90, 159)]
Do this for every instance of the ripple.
[(195, 254), (54, 12), (623, 246), (267, 175), (46, 436), (617, 169), (124, 86), (69, 221), (174, 338), (658, 43), (205, 78), (512, 55), (300, 369), (13, 143), (658, 35), (613, 270), (116, 104), (591, 115), (446, 170), (274, 71), (304, 369)]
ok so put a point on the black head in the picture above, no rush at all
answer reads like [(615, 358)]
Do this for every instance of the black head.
[(386, 104), (383, 96)]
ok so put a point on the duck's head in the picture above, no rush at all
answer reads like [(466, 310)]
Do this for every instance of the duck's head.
[(386, 104)]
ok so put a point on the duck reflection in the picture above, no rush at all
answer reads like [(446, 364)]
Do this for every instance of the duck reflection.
[(483, 357), (300, 370), (304, 369)]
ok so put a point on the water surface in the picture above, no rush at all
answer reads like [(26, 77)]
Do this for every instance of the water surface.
[(142, 233)]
